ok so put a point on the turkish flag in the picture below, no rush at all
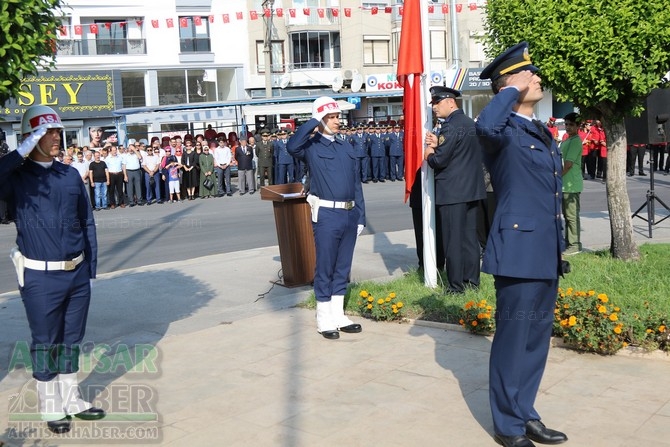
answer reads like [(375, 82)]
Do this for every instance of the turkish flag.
[(170, 23), (321, 12), (139, 23), (401, 10), (93, 28), (280, 12), (335, 12), (77, 30), (63, 30), (108, 25), (459, 7), (445, 9), (472, 6), (431, 9), (183, 22), (347, 12), (374, 10), (226, 18), (305, 11), (388, 9), (253, 15), (154, 23), (239, 15), (211, 19), (291, 12), (197, 20), (410, 67), (267, 12)]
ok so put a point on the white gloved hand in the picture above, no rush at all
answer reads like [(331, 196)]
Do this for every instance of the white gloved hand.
[(30, 141), (90, 283), (359, 230)]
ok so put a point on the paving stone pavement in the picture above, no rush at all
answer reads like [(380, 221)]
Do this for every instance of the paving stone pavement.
[(216, 354)]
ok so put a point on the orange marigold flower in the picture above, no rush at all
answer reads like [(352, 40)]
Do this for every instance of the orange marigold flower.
[(661, 328), (363, 294), (602, 297), (617, 330), (399, 304), (461, 322), (380, 301), (388, 299), (392, 294), (487, 315), (480, 316), (469, 304), (395, 311), (489, 308), (614, 317), (602, 309), (625, 344), (474, 323), (370, 299), (592, 292), (572, 320), (564, 323), (369, 306), (649, 331), (566, 306), (616, 309)]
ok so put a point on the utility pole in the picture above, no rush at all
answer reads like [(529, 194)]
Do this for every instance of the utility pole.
[(267, 48)]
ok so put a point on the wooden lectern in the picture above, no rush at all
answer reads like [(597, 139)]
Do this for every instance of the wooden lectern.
[(293, 219)]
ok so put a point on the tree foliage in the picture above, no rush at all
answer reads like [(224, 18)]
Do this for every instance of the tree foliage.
[(603, 56), (29, 29)]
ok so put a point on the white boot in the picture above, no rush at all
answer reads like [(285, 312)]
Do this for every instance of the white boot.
[(72, 401), (50, 402), (324, 320), (342, 322)]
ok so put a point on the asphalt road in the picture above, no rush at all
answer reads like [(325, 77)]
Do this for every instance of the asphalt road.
[(139, 236)]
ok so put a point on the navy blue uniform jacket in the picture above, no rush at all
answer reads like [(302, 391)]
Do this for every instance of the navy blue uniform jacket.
[(53, 214), (457, 162), (333, 166), (526, 236)]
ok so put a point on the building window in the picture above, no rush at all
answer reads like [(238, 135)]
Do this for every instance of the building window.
[(438, 45), (377, 3), (132, 87), (376, 50), (194, 34), (315, 49), (111, 37), (276, 56), (185, 86)]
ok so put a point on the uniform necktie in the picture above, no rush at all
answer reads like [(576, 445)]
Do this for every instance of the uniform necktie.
[(543, 132)]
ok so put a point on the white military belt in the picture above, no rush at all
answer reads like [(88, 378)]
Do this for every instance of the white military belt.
[(340, 205), (33, 264)]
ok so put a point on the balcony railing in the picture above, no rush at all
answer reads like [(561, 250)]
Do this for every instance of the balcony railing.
[(93, 47), (195, 45)]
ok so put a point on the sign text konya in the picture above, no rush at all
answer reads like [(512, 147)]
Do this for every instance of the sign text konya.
[(73, 95)]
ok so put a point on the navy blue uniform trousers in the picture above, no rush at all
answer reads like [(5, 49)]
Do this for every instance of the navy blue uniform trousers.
[(334, 240), (56, 304), (524, 317)]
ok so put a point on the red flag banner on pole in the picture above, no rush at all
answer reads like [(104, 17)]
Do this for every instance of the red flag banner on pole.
[(410, 67)]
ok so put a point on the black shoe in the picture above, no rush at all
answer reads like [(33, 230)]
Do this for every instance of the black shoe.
[(330, 335), (242, 193), (513, 441), (354, 328), (60, 426), (381, 180), (251, 192), (537, 431), (374, 180), (230, 194), (92, 414), (641, 173)]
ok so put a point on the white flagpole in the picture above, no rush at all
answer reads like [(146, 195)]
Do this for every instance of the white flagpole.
[(427, 174)]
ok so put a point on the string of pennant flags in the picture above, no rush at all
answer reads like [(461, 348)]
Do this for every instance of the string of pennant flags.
[(226, 18)]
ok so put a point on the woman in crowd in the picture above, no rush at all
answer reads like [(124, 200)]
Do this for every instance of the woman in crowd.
[(206, 163), (189, 176)]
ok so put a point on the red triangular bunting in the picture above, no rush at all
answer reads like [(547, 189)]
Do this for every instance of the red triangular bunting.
[(139, 23)]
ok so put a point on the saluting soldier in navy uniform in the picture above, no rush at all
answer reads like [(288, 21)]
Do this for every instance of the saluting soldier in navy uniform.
[(524, 248), (359, 142), (338, 211), (55, 260)]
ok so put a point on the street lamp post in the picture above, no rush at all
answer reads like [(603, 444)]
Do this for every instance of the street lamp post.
[(267, 48)]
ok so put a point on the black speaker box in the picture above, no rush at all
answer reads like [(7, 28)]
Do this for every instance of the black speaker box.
[(644, 129)]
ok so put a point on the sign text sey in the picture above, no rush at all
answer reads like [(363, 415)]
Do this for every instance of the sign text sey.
[(72, 95)]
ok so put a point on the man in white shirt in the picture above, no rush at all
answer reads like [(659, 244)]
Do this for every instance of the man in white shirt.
[(132, 174), (222, 159), (81, 165), (151, 165), (114, 163)]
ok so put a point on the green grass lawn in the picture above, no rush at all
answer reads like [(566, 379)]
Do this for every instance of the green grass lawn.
[(640, 288)]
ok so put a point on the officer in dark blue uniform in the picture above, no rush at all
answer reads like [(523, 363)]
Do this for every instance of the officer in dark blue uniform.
[(55, 261), (359, 142), (285, 163), (524, 248), (338, 211), (394, 142), (377, 153)]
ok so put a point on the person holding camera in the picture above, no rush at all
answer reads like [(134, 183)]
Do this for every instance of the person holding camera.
[(523, 252)]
